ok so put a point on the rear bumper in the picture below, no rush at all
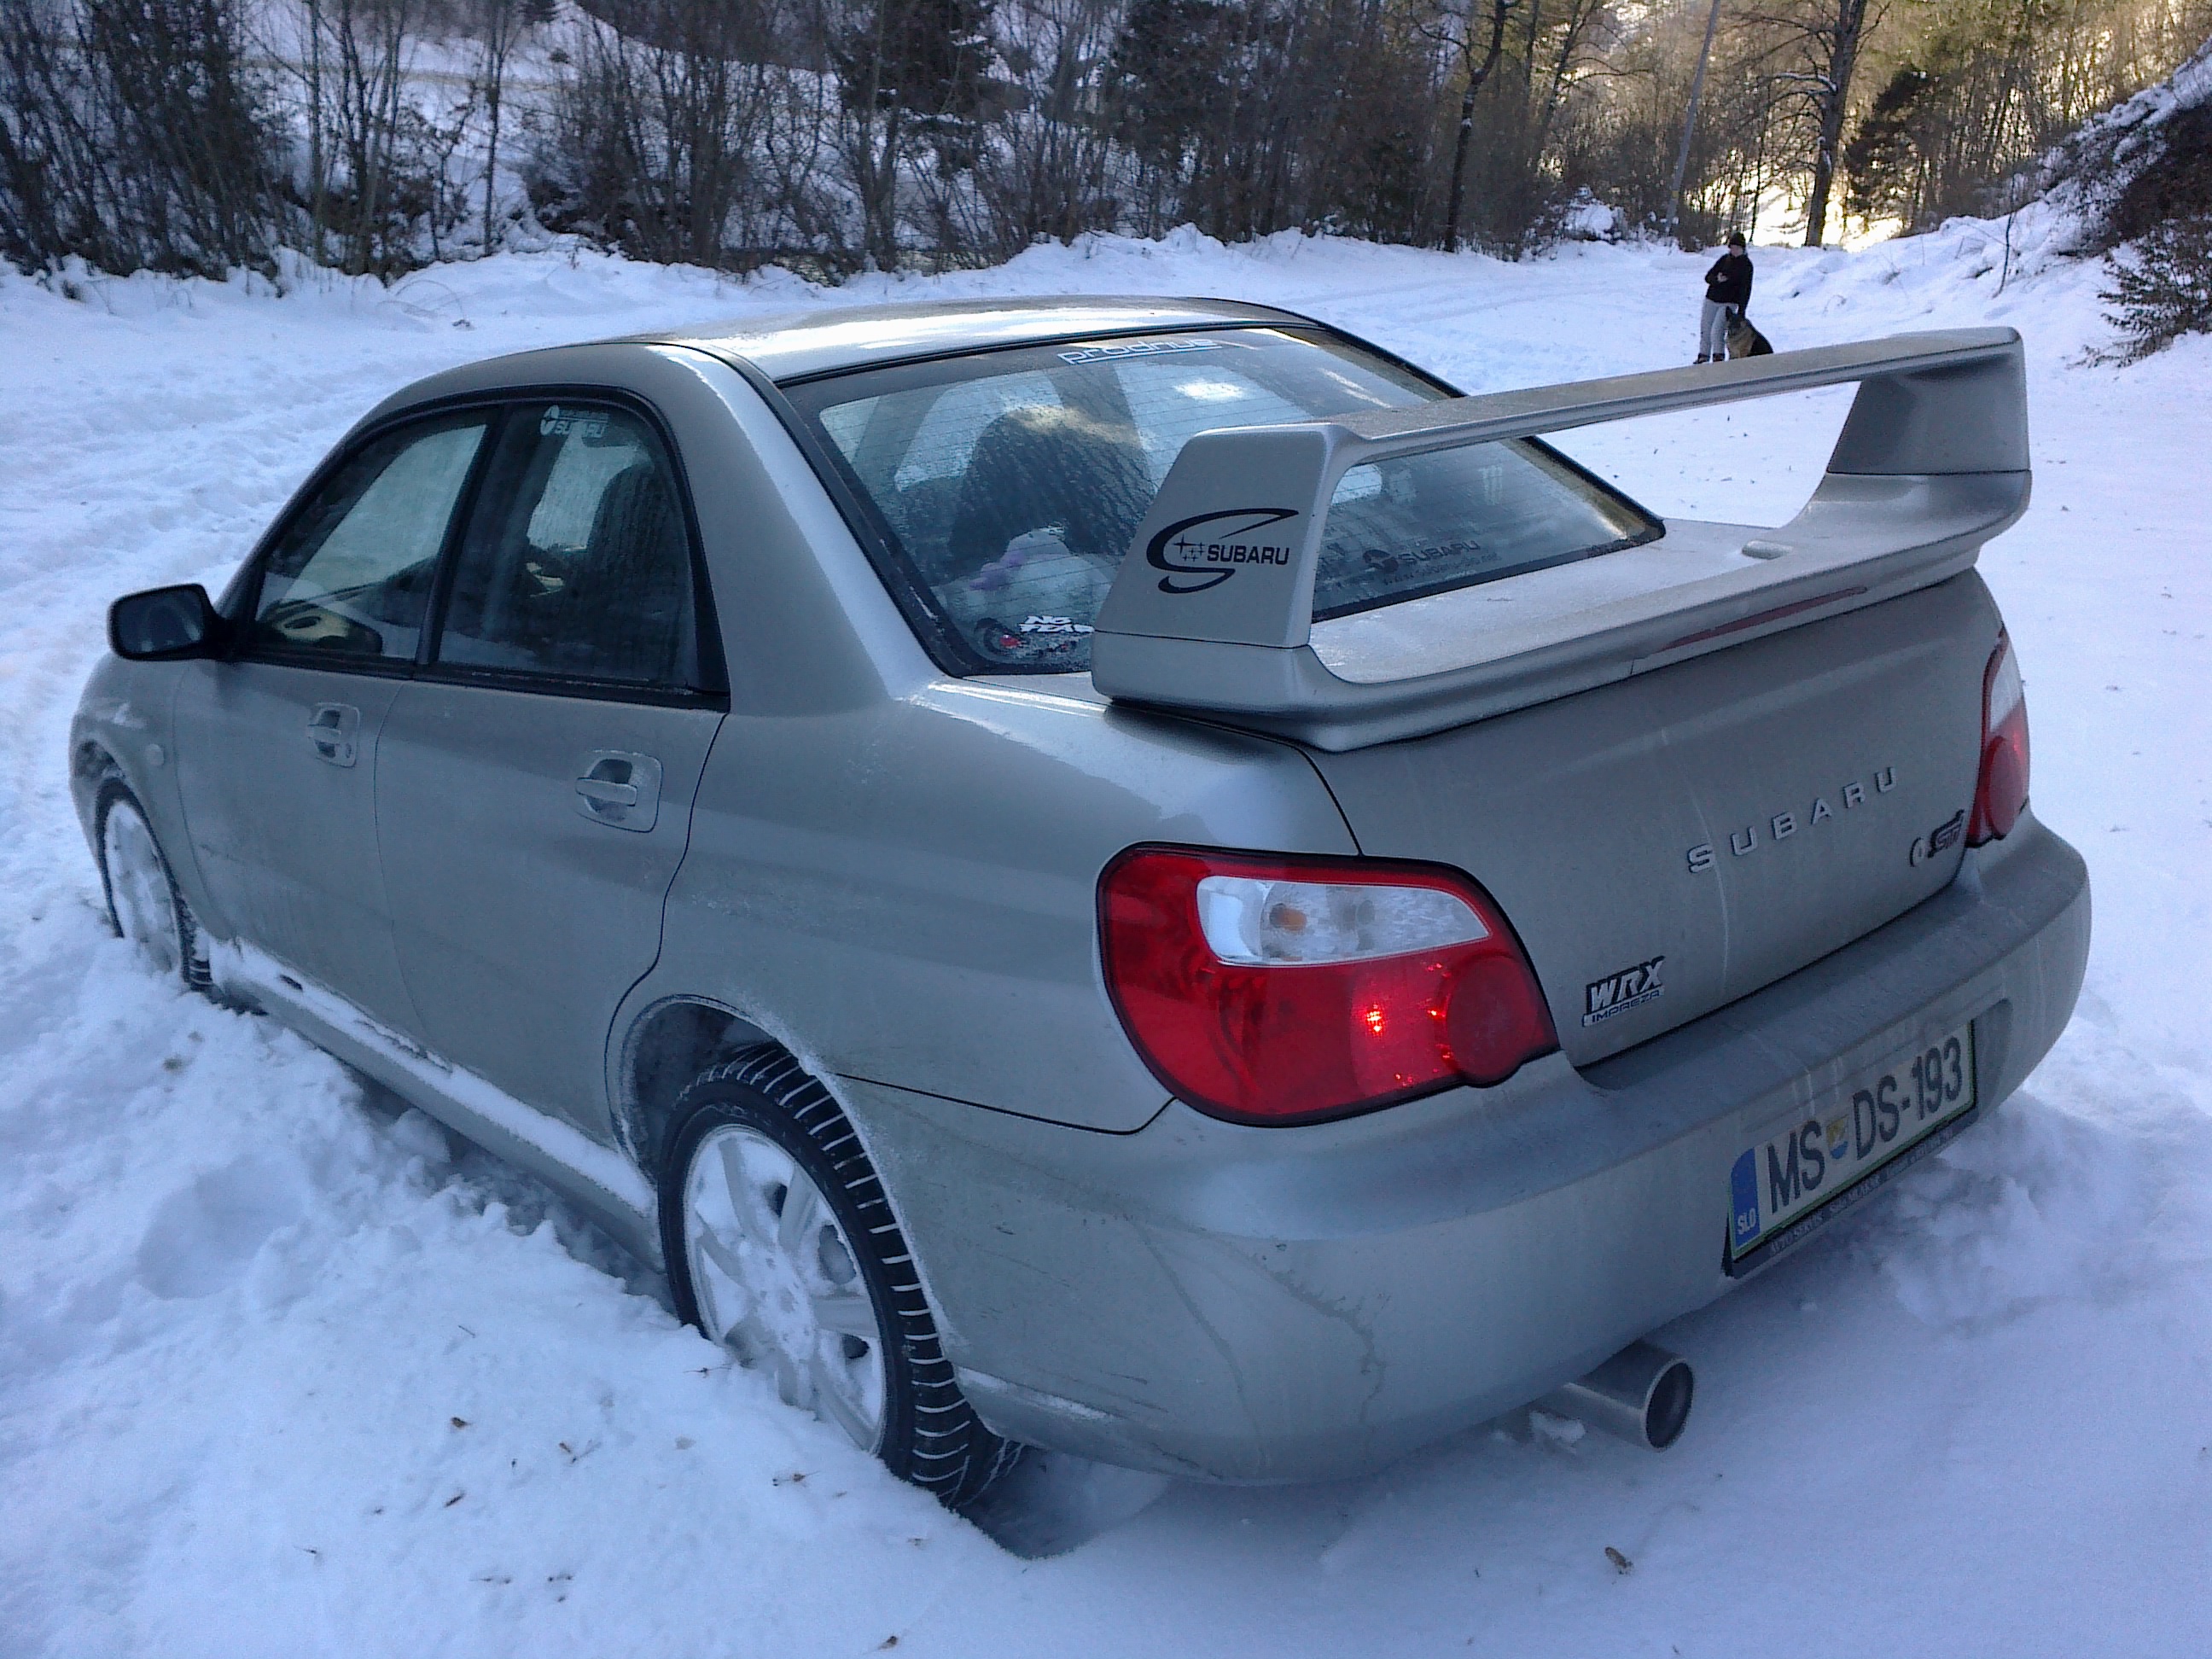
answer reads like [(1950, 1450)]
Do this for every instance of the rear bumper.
[(1261, 1305)]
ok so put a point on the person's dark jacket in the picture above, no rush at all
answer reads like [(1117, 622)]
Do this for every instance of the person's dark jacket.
[(1728, 283)]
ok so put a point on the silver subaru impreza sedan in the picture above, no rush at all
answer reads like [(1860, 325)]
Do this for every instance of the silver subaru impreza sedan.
[(1129, 876)]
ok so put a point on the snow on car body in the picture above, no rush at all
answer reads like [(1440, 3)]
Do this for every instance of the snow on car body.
[(1236, 954)]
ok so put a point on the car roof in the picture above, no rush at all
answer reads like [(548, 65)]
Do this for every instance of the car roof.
[(796, 345)]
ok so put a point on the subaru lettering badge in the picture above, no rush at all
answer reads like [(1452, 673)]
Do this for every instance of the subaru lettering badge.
[(1743, 1193)]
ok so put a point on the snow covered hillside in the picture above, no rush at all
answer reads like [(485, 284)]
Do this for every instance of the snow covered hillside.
[(281, 1374)]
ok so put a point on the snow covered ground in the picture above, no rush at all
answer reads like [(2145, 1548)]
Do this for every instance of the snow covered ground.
[(281, 1373)]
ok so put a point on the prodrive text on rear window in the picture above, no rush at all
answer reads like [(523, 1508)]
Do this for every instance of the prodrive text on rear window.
[(1002, 489)]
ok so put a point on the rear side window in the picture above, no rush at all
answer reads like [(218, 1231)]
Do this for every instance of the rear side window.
[(577, 563), (1004, 489), (351, 573)]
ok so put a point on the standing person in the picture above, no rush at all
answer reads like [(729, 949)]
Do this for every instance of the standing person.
[(1727, 290)]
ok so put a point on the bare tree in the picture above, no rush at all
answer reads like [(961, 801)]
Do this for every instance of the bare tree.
[(133, 135), (1809, 56), (499, 24), (1836, 43), (841, 134), (1690, 120), (372, 171), (658, 127), (1042, 168), (912, 73), (1477, 50)]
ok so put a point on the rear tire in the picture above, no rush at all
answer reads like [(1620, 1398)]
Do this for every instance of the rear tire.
[(781, 1246), (144, 906)]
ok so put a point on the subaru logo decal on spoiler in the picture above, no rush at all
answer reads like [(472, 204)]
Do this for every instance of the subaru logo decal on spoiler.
[(1203, 560)]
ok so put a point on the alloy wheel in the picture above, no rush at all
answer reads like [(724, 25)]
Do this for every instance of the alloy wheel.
[(138, 888), (778, 1282)]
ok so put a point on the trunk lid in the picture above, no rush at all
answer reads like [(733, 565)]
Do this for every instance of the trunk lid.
[(1669, 842)]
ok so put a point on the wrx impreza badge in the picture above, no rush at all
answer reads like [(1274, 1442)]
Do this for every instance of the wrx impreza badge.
[(1616, 994)]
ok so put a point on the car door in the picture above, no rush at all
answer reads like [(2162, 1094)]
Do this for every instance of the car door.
[(534, 780), (277, 742)]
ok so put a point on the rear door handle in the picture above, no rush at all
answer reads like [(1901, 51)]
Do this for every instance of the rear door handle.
[(600, 792), (618, 788), (335, 730)]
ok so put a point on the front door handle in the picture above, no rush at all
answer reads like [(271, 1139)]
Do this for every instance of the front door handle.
[(335, 730), (619, 788)]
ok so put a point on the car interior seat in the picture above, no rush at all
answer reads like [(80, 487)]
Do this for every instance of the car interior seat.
[(632, 587), (1042, 466)]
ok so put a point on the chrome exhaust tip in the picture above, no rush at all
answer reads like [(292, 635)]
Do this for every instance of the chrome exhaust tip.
[(1642, 1393)]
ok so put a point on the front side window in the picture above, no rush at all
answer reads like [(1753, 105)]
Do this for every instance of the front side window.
[(1006, 486), (350, 575), (576, 563)]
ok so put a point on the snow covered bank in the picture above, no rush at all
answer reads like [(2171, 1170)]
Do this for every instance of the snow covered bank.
[(279, 1375)]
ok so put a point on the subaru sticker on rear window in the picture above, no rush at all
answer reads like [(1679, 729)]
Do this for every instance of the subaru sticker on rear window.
[(1106, 354)]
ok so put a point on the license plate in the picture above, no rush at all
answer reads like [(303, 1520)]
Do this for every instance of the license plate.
[(1805, 1171)]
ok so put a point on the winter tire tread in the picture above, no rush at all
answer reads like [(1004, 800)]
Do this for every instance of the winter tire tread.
[(933, 1439), (195, 968)]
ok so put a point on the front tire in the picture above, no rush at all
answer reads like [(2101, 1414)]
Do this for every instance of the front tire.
[(144, 906), (781, 1246)]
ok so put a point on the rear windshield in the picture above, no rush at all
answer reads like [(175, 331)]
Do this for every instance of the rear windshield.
[(1000, 490)]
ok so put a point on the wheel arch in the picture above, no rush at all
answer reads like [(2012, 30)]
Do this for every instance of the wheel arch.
[(940, 1451), (675, 1037), (93, 766), (104, 787), (669, 1042)]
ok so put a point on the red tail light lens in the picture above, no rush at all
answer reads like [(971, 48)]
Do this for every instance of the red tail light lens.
[(1283, 990), (2001, 791)]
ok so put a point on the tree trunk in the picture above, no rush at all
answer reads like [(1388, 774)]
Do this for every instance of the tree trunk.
[(500, 23), (883, 230), (1834, 106), (1459, 164), (1579, 15), (318, 165), (491, 163), (1690, 121), (1475, 77)]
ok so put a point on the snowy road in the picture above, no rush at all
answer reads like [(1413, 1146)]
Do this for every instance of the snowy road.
[(278, 1377)]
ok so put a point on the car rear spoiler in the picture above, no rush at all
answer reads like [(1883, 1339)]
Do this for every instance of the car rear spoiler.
[(1211, 611)]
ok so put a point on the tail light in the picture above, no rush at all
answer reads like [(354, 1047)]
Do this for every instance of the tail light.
[(2000, 790), (1274, 990)]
